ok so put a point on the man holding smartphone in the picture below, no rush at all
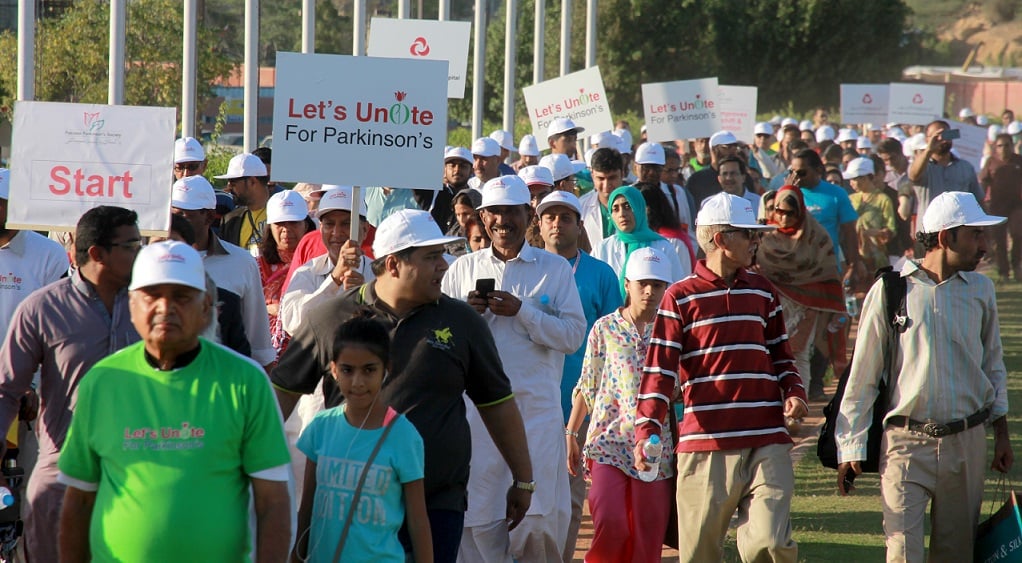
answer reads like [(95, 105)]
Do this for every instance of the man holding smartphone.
[(938, 170), (535, 314)]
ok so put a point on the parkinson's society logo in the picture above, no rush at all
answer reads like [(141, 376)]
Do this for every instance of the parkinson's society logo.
[(419, 48), (93, 122), (92, 131)]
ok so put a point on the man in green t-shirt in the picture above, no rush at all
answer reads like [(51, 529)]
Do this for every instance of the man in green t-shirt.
[(170, 434)]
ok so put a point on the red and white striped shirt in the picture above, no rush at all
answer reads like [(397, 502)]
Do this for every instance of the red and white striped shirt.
[(727, 349)]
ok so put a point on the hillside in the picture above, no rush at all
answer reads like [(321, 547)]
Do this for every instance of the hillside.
[(958, 26)]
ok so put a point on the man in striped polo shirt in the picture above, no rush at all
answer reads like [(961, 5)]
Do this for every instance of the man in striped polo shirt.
[(719, 340)]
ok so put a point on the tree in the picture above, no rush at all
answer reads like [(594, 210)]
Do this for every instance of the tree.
[(72, 56)]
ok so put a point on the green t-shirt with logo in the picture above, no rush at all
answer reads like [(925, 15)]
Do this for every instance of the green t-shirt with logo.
[(171, 452)]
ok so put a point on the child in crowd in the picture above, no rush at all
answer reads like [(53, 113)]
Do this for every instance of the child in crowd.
[(339, 442), (629, 515)]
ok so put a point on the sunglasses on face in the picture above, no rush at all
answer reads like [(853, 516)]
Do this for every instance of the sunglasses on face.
[(784, 212)]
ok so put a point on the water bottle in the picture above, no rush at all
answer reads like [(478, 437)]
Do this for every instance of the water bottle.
[(6, 498), (851, 303), (652, 451), (837, 323)]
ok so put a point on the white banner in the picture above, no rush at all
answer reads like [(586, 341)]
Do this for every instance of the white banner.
[(738, 110), (362, 121), (69, 158), (969, 146), (425, 39), (864, 103), (579, 96), (685, 109), (915, 104)]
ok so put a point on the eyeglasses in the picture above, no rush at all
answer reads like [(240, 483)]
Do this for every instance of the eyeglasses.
[(784, 212), (132, 245), (187, 166)]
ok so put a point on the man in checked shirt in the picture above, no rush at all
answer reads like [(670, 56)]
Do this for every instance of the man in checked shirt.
[(719, 336)]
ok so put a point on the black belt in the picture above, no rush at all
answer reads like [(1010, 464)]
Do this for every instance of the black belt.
[(936, 429)]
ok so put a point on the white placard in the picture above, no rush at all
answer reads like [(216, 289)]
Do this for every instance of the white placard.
[(915, 104), (864, 103), (685, 109), (578, 96), (425, 39), (363, 121), (69, 158), (738, 110), (969, 146)]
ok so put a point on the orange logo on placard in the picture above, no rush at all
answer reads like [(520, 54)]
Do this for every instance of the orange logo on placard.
[(419, 48)]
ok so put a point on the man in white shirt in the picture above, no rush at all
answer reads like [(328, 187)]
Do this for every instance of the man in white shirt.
[(536, 317), (230, 266)]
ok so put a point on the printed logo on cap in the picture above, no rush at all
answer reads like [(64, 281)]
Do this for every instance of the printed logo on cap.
[(171, 257), (651, 258)]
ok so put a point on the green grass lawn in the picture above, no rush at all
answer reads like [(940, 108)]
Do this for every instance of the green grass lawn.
[(828, 527)]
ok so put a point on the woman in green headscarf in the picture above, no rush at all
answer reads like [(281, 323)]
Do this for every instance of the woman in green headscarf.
[(628, 211)]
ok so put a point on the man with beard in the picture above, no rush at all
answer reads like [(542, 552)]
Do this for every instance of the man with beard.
[(948, 379), (247, 179), (1002, 176), (536, 318), (457, 171), (937, 170)]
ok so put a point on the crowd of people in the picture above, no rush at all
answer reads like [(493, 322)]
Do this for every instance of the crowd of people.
[(452, 379)]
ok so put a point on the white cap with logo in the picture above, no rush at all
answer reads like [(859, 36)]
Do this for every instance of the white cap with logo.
[(650, 153), (285, 206), (560, 166), (605, 139), (528, 146), (859, 167), (824, 133), (504, 139), (728, 209), (188, 149), (724, 137), (648, 264), (243, 166), (537, 174), (847, 134), (505, 190), (863, 143), (457, 153), (485, 147), (168, 262), (408, 228), (191, 193), (763, 128), (338, 198), (560, 197), (956, 209), (562, 125)]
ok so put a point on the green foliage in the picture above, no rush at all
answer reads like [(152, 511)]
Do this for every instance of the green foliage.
[(72, 56)]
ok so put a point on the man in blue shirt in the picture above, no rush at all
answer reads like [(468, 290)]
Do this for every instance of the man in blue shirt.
[(560, 224)]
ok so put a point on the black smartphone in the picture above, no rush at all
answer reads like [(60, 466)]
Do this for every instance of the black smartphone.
[(484, 286), (949, 134)]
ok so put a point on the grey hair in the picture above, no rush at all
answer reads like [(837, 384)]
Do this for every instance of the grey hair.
[(704, 236)]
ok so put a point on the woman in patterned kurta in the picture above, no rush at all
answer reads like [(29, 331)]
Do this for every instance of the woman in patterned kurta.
[(629, 515)]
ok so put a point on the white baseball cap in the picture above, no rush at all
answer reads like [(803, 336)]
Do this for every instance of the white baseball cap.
[(188, 149), (763, 128), (1014, 128), (726, 209), (562, 125), (956, 209), (876, 127), (243, 166), (892, 125), (775, 120), (505, 139), (338, 198), (982, 120), (724, 137), (824, 133), (458, 153), (560, 166), (648, 263), (485, 147), (993, 131), (966, 113), (191, 193), (788, 121), (603, 140), (528, 146), (588, 156), (858, 167), (5, 183), (650, 153), (408, 228), (847, 134), (285, 206), (505, 190), (805, 125), (625, 135), (537, 174), (624, 145), (863, 143), (168, 262), (559, 197)]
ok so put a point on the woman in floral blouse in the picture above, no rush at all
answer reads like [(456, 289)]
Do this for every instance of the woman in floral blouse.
[(629, 515)]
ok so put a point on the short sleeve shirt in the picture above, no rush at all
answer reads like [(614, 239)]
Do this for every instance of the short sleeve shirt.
[(829, 204)]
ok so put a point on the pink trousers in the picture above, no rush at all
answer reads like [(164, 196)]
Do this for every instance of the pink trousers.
[(629, 517)]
